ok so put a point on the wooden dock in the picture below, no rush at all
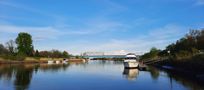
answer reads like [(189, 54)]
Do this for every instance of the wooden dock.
[(142, 66)]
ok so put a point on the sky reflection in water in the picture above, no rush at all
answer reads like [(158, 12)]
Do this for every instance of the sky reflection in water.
[(99, 75)]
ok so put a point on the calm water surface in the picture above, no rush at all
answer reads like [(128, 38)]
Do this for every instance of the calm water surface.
[(93, 75)]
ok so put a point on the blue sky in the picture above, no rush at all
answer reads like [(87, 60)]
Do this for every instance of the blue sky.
[(100, 25)]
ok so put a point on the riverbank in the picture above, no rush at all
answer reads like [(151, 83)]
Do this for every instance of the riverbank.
[(192, 68), (37, 60)]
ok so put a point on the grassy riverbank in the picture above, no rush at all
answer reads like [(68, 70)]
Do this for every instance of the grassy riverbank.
[(36, 60)]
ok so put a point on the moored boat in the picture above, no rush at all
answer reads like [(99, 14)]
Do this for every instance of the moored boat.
[(50, 62), (131, 61)]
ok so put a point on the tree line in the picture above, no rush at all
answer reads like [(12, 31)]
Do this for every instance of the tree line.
[(53, 54), (23, 47), (189, 45)]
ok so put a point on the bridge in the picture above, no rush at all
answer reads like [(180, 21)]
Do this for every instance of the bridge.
[(100, 55), (104, 56)]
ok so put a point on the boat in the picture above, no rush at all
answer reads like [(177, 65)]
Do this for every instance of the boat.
[(65, 61), (131, 61), (50, 62), (57, 62)]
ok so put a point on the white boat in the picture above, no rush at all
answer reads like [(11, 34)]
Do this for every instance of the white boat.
[(64, 62), (50, 62), (131, 61), (57, 62)]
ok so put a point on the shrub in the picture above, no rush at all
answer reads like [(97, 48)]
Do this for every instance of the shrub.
[(20, 56)]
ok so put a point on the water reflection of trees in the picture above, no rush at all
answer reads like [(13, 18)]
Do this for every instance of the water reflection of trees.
[(186, 81), (22, 74), (154, 73), (6, 72)]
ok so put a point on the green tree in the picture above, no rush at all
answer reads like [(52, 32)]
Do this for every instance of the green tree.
[(24, 43), (154, 52), (56, 54), (65, 54)]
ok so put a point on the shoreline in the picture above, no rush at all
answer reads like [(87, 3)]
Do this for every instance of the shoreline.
[(191, 68), (32, 60), (188, 74)]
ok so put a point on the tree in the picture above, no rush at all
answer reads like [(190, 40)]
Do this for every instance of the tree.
[(65, 54), (154, 52), (56, 54), (3, 50), (24, 43), (11, 46), (201, 40), (37, 54)]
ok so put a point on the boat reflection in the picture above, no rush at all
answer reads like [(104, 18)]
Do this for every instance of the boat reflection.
[(131, 74)]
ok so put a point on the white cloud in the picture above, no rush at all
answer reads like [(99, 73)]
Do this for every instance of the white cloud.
[(168, 31), (94, 27), (91, 27), (37, 32), (159, 37)]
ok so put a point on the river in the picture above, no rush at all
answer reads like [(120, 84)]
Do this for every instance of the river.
[(93, 75)]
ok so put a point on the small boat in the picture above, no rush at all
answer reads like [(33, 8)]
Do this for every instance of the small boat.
[(57, 62), (131, 61), (50, 62), (65, 61)]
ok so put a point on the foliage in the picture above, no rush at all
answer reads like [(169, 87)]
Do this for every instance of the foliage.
[(152, 54), (53, 54), (65, 54), (24, 47), (77, 57), (37, 54), (9, 52), (191, 44), (20, 56), (24, 43)]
